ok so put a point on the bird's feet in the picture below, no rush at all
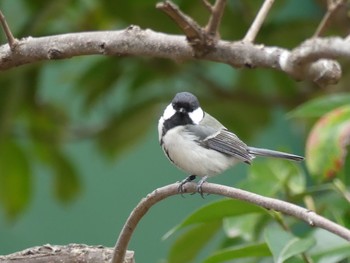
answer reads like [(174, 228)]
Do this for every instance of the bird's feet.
[(181, 189), (190, 178), (199, 185)]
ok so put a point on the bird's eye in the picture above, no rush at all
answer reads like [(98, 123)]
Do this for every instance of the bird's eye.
[(182, 106)]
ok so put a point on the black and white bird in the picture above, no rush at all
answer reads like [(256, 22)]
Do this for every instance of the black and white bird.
[(200, 145)]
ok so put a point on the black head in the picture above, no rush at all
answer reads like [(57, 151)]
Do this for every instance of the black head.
[(185, 102), (183, 110)]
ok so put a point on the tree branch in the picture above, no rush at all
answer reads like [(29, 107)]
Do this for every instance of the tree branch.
[(332, 7), (258, 21), (11, 40), (309, 61), (217, 11), (69, 253), (207, 5), (159, 194), (201, 42), (190, 27)]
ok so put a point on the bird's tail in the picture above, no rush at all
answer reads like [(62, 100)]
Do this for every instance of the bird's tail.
[(276, 154)]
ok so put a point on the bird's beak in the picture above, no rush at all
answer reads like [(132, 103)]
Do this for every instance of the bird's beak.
[(182, 110)]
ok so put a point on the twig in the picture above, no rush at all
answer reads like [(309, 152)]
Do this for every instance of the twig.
[(190, 27), (258, 21), (201, 42), (159, 194), (207, 5), (217, 11), (11, 40), (332, 8)]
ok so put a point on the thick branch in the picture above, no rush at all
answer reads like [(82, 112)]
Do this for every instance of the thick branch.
[(69, 253), (159, 194), (302, 63), (258, 21)]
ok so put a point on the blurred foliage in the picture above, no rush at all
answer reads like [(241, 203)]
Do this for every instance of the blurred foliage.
[(131, 93), (331, 135)]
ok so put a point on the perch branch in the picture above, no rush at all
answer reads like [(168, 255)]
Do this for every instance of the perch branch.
[(159, 194), (217, 11), (332, 7), (69, 253), (258, 21), (10, 39), (310, 61)]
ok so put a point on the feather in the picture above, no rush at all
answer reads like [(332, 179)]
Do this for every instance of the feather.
[(276, 154), (221, 141)]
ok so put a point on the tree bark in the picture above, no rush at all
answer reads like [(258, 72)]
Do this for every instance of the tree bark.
[(64, 254), (312, 60)]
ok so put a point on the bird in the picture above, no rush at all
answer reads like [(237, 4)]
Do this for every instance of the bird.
[(200, 145)]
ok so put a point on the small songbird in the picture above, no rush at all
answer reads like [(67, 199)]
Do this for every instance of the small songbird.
[(200, 145)]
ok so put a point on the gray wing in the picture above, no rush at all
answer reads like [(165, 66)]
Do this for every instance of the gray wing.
[(222, 141)]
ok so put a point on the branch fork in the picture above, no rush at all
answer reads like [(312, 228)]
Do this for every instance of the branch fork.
[(202, 40)]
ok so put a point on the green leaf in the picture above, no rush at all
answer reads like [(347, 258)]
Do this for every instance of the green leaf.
[(271, 176), (15, 178), (217, 210), (67, 184), (329, 247), (187, 246), (245, 251), (244, 226), (327, 142), (284, 245), (320, 106)]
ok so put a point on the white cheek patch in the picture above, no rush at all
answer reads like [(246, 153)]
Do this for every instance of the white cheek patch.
[(168, 112), (196, 115)]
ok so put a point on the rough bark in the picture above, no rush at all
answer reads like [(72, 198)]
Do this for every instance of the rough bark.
[(313, 60), (65, 254)]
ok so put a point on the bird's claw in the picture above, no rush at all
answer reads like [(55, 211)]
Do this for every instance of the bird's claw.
[(199, 186), (190, 178), (180, 188)]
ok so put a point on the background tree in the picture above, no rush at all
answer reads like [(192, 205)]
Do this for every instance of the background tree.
[(73, 118)]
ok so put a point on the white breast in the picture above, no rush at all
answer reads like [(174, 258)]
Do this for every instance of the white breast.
[(192, 158)]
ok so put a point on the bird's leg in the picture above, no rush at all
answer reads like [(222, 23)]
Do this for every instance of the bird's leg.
[(189, 178), (199, 185)]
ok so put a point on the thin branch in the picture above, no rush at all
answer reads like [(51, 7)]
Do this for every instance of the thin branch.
[(310, 61), (201, 42), (70, 253), (11, 40), (217, 11), (208, 5), (190, 27), (258, 21), (332, 7), (159, 194)]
